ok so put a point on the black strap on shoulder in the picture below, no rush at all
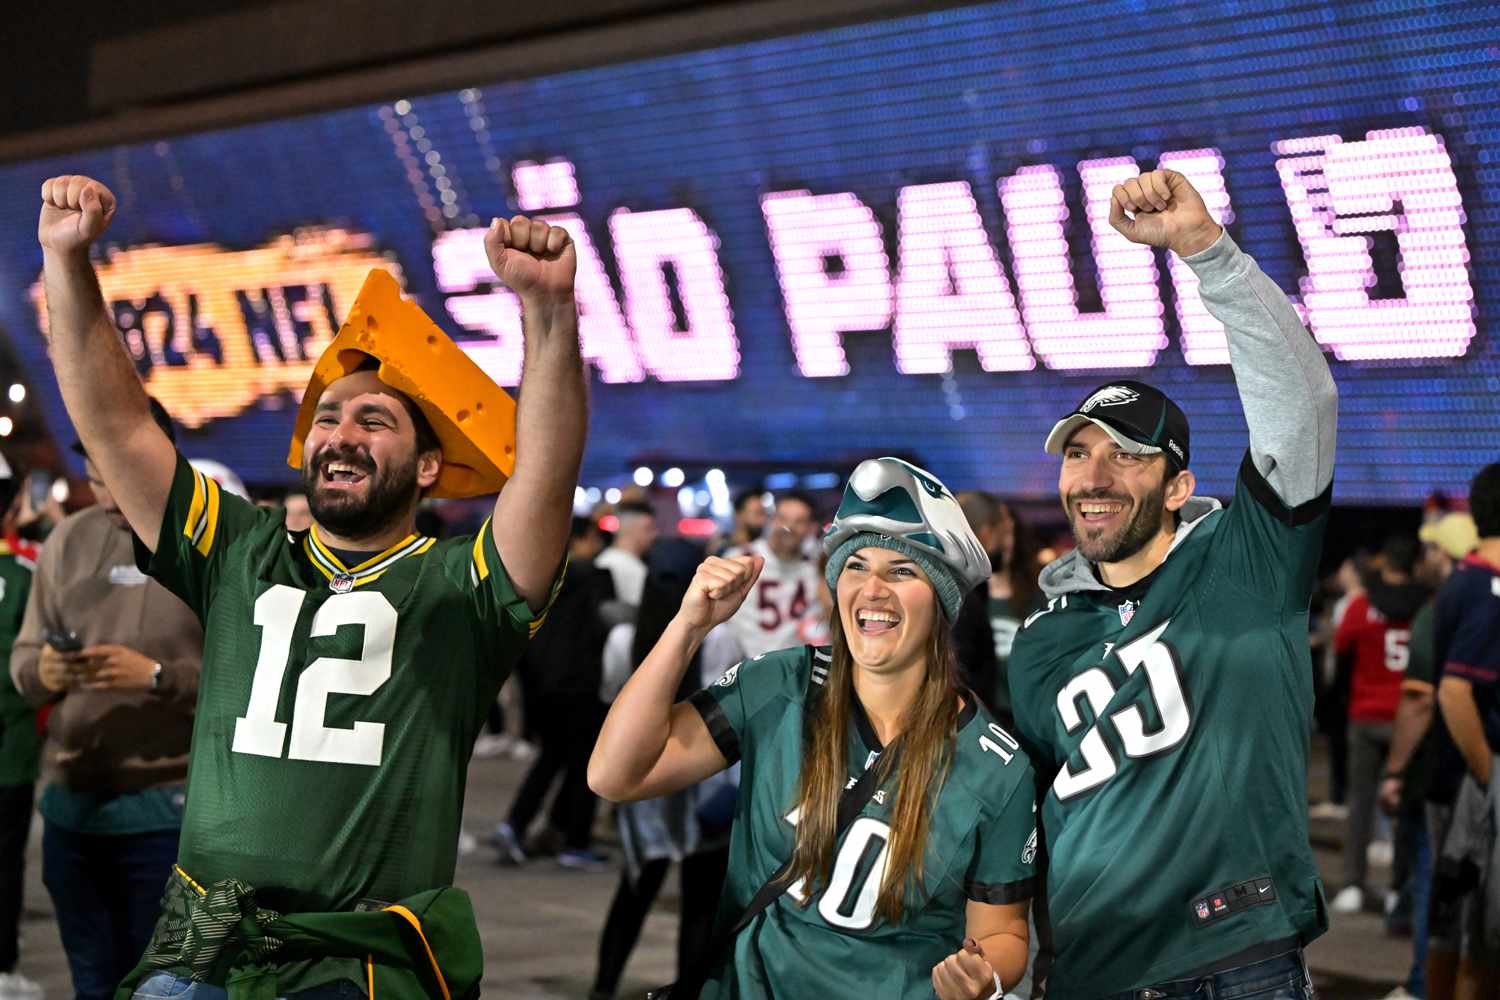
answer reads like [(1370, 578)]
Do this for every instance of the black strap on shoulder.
[(851, 804)]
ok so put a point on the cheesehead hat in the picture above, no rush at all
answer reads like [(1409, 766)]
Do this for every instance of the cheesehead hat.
[(474, 419)]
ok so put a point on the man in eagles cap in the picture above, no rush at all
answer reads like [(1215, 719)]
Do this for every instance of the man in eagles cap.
[(1166, 682)]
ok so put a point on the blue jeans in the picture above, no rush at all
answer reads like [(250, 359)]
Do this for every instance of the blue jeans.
[(1281, 978), (106, 891), (165, 986)]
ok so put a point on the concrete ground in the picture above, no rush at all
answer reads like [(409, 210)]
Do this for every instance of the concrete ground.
[(540, 923)]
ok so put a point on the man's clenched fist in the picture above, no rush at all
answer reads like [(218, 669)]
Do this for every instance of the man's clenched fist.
[(1164, 211), (75, 212), (533, 259)]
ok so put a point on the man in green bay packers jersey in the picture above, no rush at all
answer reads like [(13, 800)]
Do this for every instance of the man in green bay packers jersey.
[(1166, 683), (347, 668)]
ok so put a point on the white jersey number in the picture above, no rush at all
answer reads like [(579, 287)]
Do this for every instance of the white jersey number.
[(845, 904), (257, 731), (1094, 686)]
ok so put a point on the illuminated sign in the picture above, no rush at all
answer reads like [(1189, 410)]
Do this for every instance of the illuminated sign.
[(884, 238)]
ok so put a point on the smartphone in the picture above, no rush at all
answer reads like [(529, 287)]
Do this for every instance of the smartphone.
[(63, 642), (39, 488)]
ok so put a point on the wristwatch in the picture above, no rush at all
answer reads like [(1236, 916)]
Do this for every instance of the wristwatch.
[(156, 677)]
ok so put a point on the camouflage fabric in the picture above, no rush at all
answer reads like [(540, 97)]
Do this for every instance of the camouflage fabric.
[(424, 947)]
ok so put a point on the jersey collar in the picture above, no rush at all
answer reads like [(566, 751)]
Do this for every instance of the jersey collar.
[(332, 567)]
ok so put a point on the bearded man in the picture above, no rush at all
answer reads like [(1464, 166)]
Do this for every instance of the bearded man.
[(1167, 682), (347, 668)]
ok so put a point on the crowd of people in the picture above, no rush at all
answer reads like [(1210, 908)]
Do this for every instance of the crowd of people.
[(893, 754)]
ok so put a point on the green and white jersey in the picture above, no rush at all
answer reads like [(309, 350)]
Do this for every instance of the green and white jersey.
[(981, 845), (1175, 715), (338, 705)]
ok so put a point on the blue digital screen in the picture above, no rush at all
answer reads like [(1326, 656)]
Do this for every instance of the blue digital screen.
[(885, 238)]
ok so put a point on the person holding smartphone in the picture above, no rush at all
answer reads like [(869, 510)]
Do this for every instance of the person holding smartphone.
[(118, 657)]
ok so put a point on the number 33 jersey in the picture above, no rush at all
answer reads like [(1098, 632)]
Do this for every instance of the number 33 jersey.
[(338, 705), (981, 845), (1176, 715)]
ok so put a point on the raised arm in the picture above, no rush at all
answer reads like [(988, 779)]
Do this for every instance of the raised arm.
[(99, 384), (1286, 389), (649, 746), (535, 509)]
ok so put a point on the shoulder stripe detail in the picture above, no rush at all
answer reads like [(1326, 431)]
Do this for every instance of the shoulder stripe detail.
[(541, 616), (481, 570), (194, 520), (208, 526)]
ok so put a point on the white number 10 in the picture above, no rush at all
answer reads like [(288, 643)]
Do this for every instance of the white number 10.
[(257, 731)]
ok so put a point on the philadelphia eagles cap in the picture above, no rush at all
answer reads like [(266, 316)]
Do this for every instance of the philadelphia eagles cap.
[(1139, 417)]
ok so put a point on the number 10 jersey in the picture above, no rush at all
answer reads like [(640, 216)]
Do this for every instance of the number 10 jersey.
[(338, 705)]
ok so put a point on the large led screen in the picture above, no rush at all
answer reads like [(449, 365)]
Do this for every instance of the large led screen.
[(882, 238)]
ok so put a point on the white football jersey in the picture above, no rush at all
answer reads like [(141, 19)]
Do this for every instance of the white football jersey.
[(783, 598)]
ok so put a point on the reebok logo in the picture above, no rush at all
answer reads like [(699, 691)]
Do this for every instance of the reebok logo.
[(1110, 395)]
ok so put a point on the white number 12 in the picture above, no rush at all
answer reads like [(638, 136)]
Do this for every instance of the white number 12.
[(257, 731)]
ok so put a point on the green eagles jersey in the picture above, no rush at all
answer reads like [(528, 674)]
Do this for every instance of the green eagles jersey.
[(338, 706), (981, 845), (1177, 723), (20, 747)]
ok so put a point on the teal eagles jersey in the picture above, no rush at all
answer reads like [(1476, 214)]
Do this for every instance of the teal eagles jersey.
[(338, 705), (981, 845), (1176, 716)]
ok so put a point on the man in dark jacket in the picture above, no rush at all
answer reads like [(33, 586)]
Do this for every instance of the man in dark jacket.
[(562, 668), (1375, 634)]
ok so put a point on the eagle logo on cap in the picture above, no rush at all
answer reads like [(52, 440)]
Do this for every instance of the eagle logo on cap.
[(1110, 395)]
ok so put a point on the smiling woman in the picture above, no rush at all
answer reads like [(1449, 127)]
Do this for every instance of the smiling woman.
[(882, 813)]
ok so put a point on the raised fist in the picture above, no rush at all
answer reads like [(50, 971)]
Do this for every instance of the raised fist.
[(719, 588), (75, 212), (533, 259), (1164, 211)]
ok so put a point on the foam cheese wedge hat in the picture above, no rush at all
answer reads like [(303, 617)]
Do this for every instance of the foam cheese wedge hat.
[(474, 419)]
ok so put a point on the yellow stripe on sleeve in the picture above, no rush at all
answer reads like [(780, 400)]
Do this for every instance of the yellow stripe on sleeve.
[(195, 509), (211, 517), (479, 563), (411, 918)]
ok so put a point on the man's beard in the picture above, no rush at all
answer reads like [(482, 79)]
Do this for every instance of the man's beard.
[(1125, 542), (390, 494)]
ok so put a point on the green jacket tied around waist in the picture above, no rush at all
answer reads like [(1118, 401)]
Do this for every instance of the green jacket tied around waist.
[(424, 947)]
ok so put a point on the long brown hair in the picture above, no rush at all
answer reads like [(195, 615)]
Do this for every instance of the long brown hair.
[(924, 750)]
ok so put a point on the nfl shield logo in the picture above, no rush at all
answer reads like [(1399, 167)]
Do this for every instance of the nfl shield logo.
[(1127, 611), (1202, 909), (341, 584)]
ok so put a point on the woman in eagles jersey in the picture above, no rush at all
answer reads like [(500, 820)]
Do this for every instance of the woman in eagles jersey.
[(927, 889)]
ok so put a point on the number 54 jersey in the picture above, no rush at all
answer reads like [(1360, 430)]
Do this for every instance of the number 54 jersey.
[(1176, 716), (338, 704)]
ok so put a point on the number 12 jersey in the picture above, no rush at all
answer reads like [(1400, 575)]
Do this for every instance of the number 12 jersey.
[(338, 704)]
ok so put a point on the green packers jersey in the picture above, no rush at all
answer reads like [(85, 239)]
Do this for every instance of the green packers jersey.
[(20, 747), (338, 705), (1177, 721), (981, 845)]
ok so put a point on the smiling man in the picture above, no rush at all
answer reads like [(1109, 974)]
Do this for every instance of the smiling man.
[(349, 667), (1167, 682)]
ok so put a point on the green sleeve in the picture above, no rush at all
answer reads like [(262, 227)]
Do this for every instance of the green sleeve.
[(1423, 663), (198, 527), (1004, 865), (1266, 549), (19, 744), (474, 562), (736, 705)]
